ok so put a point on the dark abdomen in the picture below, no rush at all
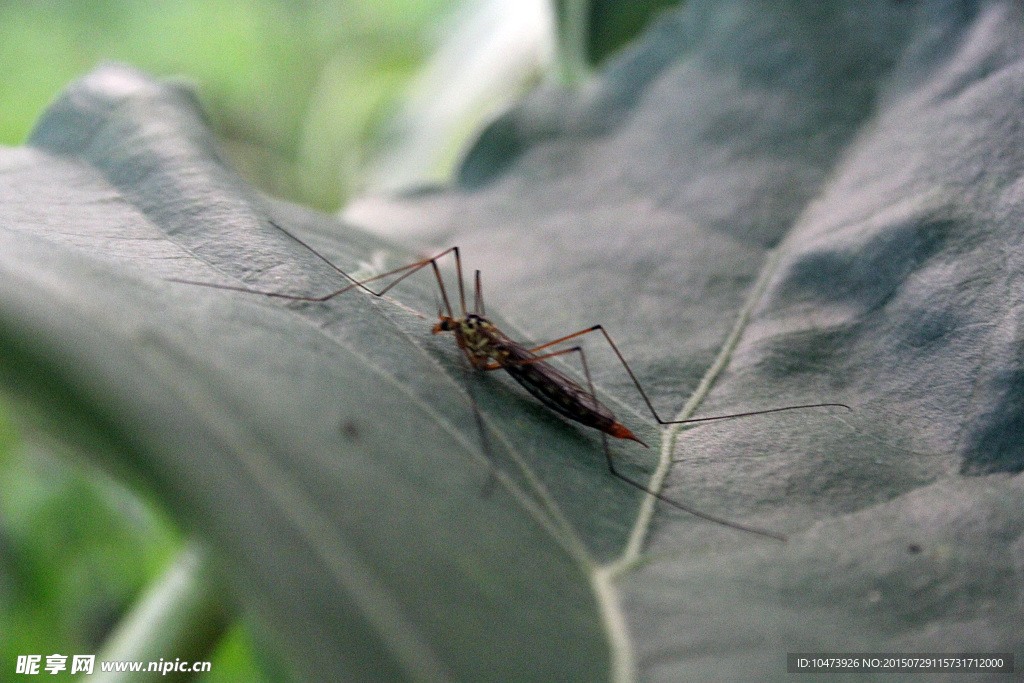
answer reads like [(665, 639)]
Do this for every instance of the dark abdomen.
[(562, 395)]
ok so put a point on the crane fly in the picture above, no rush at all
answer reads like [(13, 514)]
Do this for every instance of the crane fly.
[(487, 348)]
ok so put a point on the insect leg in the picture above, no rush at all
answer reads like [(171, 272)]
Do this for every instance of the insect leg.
[(405, 272), (647, 400), (632, 482), (485, 442), (494, 365), (478, 297)]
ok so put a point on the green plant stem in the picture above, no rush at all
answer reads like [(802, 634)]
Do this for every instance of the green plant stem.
[(573, 26), (181, 616)]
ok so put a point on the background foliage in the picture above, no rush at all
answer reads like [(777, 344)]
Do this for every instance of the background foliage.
[(296, 90)]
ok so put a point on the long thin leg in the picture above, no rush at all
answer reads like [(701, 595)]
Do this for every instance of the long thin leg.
[(406, 271), (410, 269), (635, 484), (494, 365), (440, 281), (647, 400), (478, 298), (485, 442)]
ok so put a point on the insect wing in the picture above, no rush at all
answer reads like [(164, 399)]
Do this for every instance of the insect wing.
[(556, 390)]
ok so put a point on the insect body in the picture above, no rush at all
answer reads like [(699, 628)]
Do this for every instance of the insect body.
[(488, 348)]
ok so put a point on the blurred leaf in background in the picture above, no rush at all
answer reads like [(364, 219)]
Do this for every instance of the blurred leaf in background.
[(75, 548), (292, 88)]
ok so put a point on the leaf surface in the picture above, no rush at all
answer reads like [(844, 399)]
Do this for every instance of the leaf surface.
[(328, 452), (861, 162)]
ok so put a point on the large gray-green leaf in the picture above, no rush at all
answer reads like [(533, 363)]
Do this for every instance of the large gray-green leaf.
[(823, 196), (863, 159), (325, 450)]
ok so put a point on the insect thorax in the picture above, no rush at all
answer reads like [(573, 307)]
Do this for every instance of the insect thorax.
[(480, 338)]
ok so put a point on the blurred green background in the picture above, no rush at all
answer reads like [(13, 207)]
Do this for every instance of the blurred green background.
[(297, 92), (314, 101)]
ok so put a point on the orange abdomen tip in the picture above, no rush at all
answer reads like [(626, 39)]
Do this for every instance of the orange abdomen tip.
[(620, 431)]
